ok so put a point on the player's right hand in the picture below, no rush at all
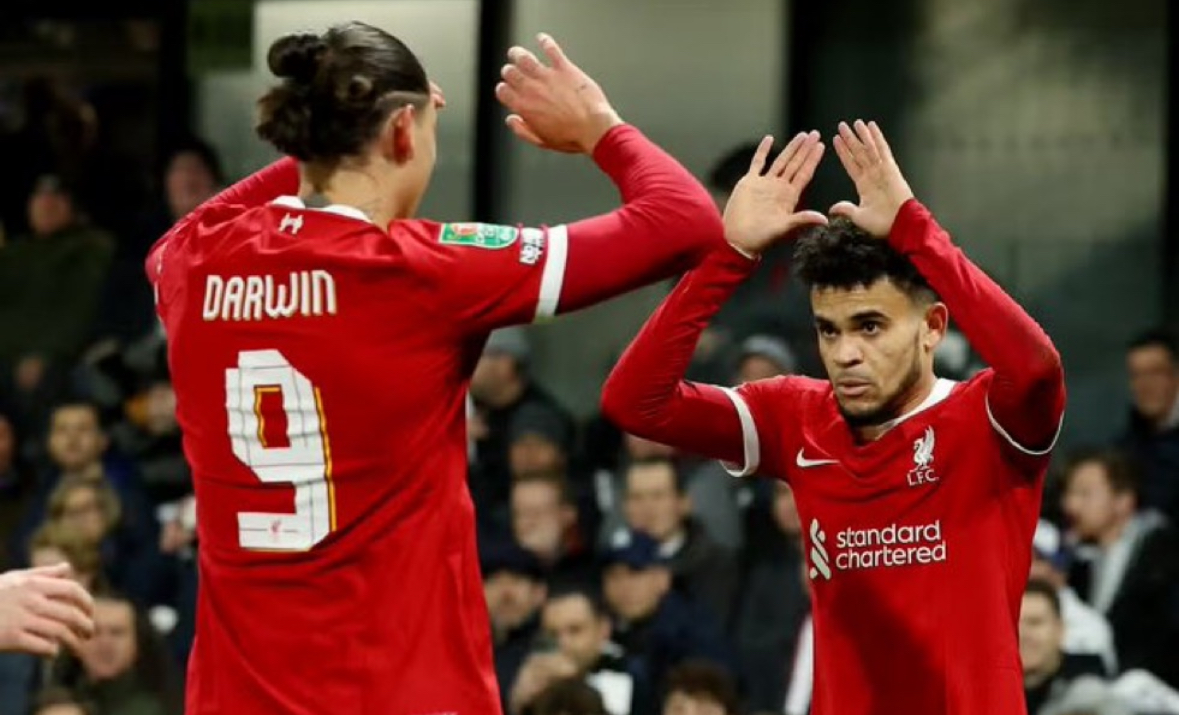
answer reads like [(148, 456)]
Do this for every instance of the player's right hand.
[(555, 106), (763, 207), (43, 608)]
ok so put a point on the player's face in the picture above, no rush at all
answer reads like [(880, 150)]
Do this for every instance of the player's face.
[(1041, 634), (634, 594), (1154, 381), (1091, 504), (511, 599), (681, 703), (111, 652), (877, 345), (785, 510), (653, 504), (539, 519), (76, 440), (578, 631)]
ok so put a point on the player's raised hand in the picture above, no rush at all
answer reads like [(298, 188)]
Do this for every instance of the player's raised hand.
[(764, 204), (41, 609), (556, 105), (883, 190)]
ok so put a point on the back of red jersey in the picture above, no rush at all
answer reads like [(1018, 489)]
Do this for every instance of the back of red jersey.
[(917, 544), (320, 365)]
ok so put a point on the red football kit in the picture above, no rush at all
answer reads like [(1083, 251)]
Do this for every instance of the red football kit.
[(918, 543), (321, 364)]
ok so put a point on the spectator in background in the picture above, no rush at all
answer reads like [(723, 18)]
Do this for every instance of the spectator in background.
[(657, 627), (764, 356), (1152, 434), (1048, 672), (513, 584), (150, 436), (609, 485), (77, 446), (773, 607), (53, 544), (700, 688), (123, 668), (60, 701), (579, 627), (658, 506), (500, 386), (49, 286), (545, 523), (1085, 630), (1127, 564), (568, 697)]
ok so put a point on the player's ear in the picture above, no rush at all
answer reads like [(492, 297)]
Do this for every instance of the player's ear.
[(397, 136), (937, 320)]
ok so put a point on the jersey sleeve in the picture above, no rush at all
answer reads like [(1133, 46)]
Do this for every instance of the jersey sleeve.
[(764, 426), (487, 275)]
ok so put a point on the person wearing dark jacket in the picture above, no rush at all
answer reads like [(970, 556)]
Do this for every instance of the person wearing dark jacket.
[(1152, 433)]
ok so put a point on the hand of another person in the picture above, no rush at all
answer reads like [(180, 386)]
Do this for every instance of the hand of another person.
[(43, 608)]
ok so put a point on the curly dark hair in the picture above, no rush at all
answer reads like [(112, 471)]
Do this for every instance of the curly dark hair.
[(843, 255)]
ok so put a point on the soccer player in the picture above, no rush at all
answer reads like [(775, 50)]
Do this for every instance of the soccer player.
[(918, 496), (321, 341)]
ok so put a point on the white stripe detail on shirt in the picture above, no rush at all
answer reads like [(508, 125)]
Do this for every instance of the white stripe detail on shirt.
[(748, 437), (554, 272), (1011, 440)]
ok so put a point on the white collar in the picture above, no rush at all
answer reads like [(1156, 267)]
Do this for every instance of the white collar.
[(941, 390), (294, 202)]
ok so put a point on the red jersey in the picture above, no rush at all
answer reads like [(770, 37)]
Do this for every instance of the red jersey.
[(321, 365), (918, 544)]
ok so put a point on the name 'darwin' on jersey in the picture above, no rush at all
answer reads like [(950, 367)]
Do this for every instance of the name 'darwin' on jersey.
[(303, 294)]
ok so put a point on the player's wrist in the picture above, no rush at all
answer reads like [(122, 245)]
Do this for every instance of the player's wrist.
[(598, 126)]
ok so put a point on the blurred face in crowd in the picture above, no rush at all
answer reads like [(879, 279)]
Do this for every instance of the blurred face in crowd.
[(535, 454), (877, 346), (61, 709), (639, 449), (653, 503), (511, 599), (634, 594), (539, 518), (187, 182), (52, 555), (1154, 381), (83, 514), (1093, 508), (50, 211), (681, 703), (578, 630), (7, 445), (1041, 634), (160, 409), (1043, 570), (756, 367), (112, 650), (785, 510), (76, 439)]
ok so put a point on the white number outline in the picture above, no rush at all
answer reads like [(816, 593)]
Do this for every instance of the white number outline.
[(305, 464)]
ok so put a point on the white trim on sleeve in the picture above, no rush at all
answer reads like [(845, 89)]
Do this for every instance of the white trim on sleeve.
[(748, 437), (1011, 440), (554, 272)]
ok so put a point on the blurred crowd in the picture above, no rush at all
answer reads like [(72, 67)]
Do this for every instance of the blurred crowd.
[(620, 576)]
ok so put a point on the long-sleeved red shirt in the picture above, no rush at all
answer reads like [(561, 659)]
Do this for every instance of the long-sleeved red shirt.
[(917, 543), (321, 364)]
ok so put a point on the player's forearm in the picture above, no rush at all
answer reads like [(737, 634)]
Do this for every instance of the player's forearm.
[(646, 393), (1027, 395), (667, 223)]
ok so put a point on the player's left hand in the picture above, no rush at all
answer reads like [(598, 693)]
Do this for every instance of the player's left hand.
[(764, 206), (883, 190)]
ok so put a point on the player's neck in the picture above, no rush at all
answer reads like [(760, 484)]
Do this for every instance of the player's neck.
[(909, 401), (359, 189)]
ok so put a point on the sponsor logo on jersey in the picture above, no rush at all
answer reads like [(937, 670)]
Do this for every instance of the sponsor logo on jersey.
[(890, 546), (291, 222), (922, 471), (478, 235), (532, 246)]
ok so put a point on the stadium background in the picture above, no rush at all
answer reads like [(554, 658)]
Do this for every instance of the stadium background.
[(1037, 132)]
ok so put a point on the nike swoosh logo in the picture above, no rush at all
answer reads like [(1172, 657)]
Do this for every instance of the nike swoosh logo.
[(803, 462)]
